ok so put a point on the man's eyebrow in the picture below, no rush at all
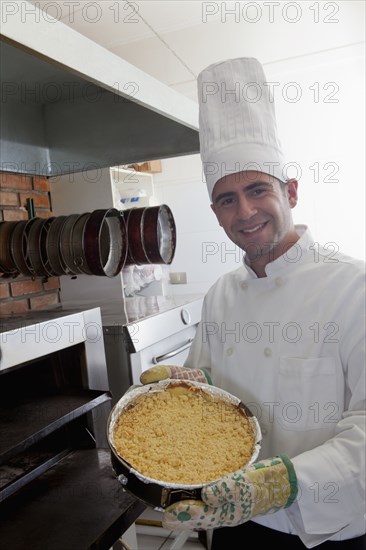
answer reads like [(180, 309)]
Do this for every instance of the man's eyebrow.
[(224, 195), (250, 187), (258, 183)]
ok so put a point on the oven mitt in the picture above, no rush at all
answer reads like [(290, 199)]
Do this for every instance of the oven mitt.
[(262, 488), (162, 372)]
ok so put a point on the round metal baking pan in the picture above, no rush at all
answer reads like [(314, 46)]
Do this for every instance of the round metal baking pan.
[(43, 247), (18, 247), (66, 252), (53, 250), (77, 245), (33, 252), (151, 234), (154, 492), (159, 234), (105, 242), (7, 264), (36, 247), (134, 224)]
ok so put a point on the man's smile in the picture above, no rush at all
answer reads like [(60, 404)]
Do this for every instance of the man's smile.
[(253, 229)]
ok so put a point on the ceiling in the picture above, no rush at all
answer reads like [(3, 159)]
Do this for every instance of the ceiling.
[(173, 40)]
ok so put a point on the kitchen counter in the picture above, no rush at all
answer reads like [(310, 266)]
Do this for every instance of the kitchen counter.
[(33, 334), (122, 311), (134, 309), (13, 322), (141, 307)]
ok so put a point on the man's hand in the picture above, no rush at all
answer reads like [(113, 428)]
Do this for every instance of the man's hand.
[(262, 488), (162, 372)]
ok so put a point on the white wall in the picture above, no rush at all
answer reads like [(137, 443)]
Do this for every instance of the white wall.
[(322, 133), (325, 134)]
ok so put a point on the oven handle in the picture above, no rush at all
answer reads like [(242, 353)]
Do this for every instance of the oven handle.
[(172, 353)]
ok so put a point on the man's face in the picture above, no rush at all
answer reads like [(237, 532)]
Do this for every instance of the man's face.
[(255, 211)]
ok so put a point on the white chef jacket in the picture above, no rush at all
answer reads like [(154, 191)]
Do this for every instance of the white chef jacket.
[(291, 346)]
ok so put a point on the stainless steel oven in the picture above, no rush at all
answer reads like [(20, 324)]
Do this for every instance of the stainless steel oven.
[(56, 487), (156, 332)]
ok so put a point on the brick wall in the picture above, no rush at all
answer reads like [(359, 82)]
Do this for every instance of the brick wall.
[(23, 293)]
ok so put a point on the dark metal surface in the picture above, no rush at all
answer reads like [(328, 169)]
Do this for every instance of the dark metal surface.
[(18, 473), (23, 468), (25, 422), (76, 505)]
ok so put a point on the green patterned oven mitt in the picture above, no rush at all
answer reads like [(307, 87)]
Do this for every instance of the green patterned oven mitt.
[(262, 488), (162, 372)]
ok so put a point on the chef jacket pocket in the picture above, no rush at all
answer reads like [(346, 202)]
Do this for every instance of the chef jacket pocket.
[(308, 394)]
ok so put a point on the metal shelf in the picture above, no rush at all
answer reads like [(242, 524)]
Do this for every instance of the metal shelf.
[(77, 504), (24, 423), (14, 476), (23, 468)]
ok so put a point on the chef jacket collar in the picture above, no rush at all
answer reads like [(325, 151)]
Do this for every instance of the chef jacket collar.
[(292, 255)]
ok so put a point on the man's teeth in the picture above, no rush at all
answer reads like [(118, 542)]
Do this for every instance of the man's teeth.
[(253, 229)]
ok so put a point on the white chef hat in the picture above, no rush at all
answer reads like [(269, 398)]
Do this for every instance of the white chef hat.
[(237, 123)]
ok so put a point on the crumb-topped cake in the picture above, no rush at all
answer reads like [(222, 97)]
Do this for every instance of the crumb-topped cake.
[(183, 435)]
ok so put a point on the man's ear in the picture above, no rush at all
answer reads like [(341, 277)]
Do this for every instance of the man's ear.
[(292, 196)]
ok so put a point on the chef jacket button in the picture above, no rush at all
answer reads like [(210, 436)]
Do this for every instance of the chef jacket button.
[(267, 352), (244, 285), (229, 351), (278, 281)]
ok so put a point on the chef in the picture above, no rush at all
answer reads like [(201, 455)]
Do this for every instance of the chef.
[(285, 332)]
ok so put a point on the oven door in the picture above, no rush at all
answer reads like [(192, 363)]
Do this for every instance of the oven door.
[(168, 351)]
